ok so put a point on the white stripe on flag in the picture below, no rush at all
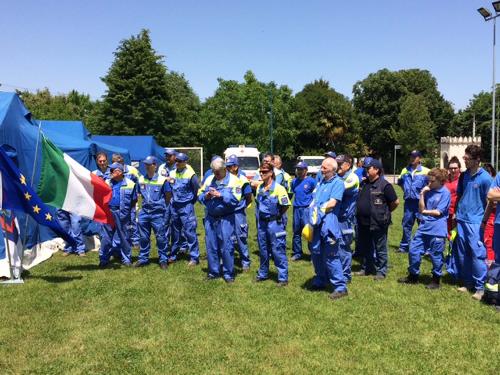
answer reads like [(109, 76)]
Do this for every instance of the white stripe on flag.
[(80, 192)]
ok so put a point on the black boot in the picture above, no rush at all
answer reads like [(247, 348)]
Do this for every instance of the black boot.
[(410, 279), (435, 283)]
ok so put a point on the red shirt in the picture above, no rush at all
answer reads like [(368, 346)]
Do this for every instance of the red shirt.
[(452, 187)]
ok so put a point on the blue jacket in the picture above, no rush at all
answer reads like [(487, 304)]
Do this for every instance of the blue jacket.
[(128, 196), (350, 196), (153, 193), (185, 185), (231, 195), (413, 181), (268, 202)]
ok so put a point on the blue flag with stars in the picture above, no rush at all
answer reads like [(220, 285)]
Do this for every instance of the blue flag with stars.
[(16, 194)]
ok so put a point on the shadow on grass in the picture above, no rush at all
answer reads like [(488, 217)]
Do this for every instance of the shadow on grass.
[(91, 267), (309, 286), (56, 279)]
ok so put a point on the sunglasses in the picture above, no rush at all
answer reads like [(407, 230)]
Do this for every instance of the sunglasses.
[(264, 172)]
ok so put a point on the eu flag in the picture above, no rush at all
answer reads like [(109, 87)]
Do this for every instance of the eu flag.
[(16, 194)]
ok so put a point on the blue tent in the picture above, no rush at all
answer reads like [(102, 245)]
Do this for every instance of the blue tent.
[(140, 146), (74, 138)]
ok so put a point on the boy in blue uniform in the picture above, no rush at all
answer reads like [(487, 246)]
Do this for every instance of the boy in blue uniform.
[(302, 188), (433, 205), (412, 180), (123, 200), (470, 251), (154, 191)]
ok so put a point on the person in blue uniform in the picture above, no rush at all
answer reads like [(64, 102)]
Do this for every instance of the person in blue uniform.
[(328, 154), (240, 215), (347, 212), (102, 170), (184, 184), (209, 172), (434, 203), (470, 252), (155, 191), (71, 223), (164, 170), (360, 170), (412, 180), (123, 199), (376, 200), (325, 251), (272, 202), (221, 195), (302, 188)]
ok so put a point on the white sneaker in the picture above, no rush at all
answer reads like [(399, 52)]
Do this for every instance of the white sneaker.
[(478, 295)]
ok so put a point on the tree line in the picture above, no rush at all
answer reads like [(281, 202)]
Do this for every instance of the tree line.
[(388, 107)]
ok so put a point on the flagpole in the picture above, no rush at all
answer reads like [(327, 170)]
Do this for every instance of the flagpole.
[(12, 280), (23, 242)]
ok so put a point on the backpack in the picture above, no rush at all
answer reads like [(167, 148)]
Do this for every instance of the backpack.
[(491, 293)]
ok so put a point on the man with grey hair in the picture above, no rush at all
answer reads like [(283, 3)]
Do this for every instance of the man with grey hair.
[(221, 194), (325, 251)]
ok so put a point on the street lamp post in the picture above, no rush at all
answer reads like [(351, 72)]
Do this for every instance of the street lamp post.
[(488, 16), (396, 147)]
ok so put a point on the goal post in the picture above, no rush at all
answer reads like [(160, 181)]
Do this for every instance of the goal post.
[(195, 158)]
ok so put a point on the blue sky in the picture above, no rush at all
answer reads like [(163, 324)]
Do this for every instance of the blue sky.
[(66, 45)]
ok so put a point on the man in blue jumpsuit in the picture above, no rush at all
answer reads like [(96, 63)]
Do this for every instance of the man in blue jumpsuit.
[(123, 199), (325, 250), (209, 172), (412, 180), (302, 188), (472, 194), (347, 213), (71, 223), (154, 191), (240, 215), (221, 194), (184, 185), (328, 154), (272, 201), (164, 170), (102, 170)]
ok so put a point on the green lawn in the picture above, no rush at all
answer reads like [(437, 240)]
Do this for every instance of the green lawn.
[(72, 318)]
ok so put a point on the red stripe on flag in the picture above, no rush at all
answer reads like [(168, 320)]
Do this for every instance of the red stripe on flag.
[(102, 196)]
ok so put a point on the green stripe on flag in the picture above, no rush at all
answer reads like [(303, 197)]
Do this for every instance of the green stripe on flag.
[(54, 175)]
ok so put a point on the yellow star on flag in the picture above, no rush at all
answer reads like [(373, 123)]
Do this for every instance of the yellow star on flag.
[(27, 196), (23, 179), (48, 217), (36, 209)]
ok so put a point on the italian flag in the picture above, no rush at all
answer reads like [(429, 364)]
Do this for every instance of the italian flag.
[(68, 185)]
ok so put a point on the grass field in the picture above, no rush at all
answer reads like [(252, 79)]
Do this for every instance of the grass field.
[(72, 318)]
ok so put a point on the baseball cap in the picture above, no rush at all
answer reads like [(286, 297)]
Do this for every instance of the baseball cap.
[(170, 151), (181, 157), (116, 166), (150, 160), (341, 159), (301, 165), (375, 163), (232, 160), (330, 154), (415, 153), (367, 161)]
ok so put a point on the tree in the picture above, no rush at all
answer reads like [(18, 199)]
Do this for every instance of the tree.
[(239, 113), (137, 101), (416, 129), (72, 106), (377, 102), (325, 121)]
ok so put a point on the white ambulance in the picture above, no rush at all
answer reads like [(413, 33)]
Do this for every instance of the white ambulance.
[(248, 158)]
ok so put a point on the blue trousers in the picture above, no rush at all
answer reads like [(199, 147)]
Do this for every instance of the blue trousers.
[(373, 247), (345, 253), (155, 221), (410, 214), (184, 223), (496, 243), (133, 227), (241, 237), (219, 235), (271, 237), (422, 243), (470, 255), (71, 223), (300, 219), (325, 257), (120, 232)]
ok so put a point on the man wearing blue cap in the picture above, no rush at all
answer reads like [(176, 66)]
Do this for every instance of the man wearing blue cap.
[(240, 216), (347, 211), (164, 170), (123, 200), (154, 191), (184, 185), (302, 189), (412, 179), (376, 200)]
